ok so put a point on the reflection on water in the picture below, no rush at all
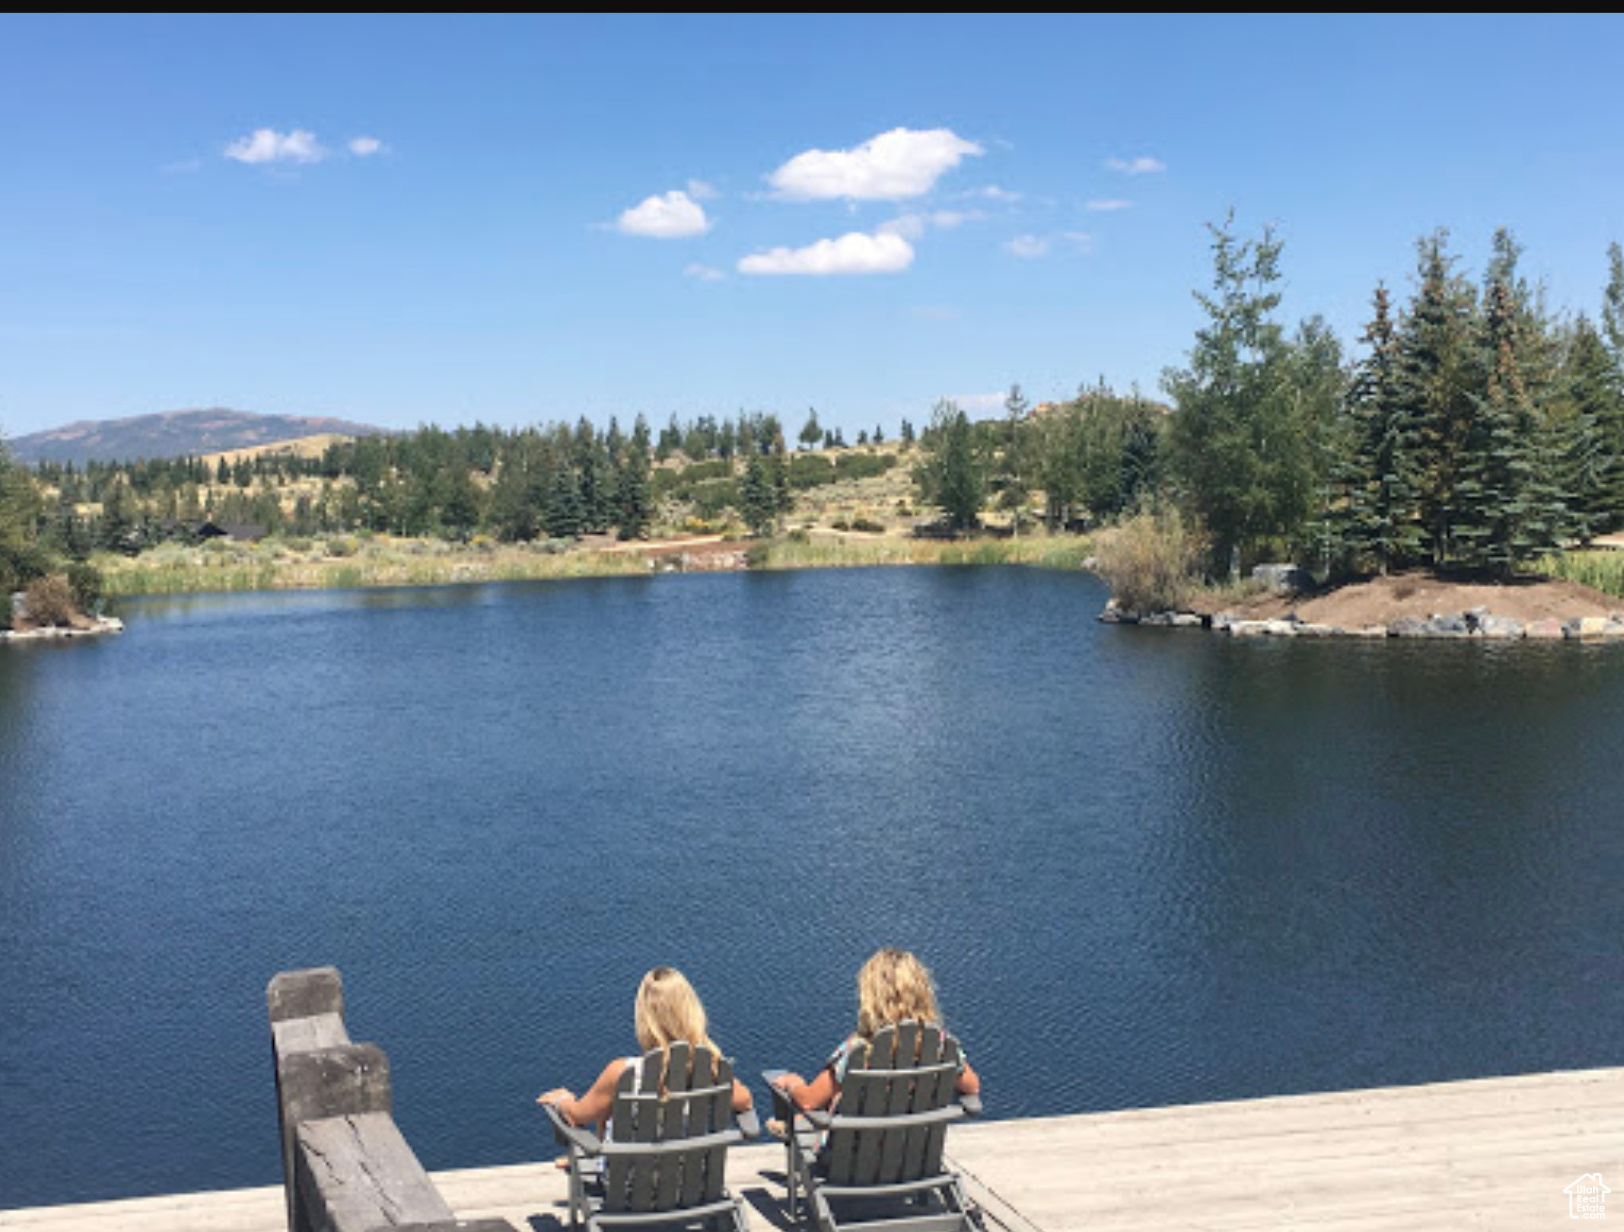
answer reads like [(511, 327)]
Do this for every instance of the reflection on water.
[(1147, 866)]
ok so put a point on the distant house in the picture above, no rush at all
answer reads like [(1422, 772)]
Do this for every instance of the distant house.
[(236, 532)]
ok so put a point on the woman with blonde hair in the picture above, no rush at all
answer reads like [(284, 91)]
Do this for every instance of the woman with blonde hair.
[(892, 986), (667, 1010)]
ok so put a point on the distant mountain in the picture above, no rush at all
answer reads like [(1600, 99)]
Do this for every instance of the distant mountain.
[(173, 434)]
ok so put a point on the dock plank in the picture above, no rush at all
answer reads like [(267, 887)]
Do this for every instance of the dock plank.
[(1493, 1153)]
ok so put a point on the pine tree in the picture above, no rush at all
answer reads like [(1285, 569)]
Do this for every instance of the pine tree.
[(811, 434), (1014, 479), (1382, 477), (564, 515), (1592, 425), (1511, 509), (635, 498), (953, 475), (1612, 309), (1437, 375), (758, 503)]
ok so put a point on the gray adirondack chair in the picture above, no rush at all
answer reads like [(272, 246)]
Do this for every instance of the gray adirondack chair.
[(664, 1160), (881, 1145)]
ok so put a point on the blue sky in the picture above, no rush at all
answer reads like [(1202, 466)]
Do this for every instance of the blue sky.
[(524, 219)]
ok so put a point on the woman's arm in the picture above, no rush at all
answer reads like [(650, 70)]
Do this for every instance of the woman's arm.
[(807, 1096), (596, 1104), (742, 1101), (968, 1082)]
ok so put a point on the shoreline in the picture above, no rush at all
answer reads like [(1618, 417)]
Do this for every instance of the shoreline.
[(409, 563), (1417, 605)]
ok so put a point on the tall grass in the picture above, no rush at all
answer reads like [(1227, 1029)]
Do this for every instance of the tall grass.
[(345, 564), (1597, 568), (171, 569), (1151, 562), (1059, 552)]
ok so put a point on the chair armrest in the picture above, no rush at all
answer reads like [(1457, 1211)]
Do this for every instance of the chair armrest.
[(749, 1124), (786, 1109), (971, 1105), (584, 1140)]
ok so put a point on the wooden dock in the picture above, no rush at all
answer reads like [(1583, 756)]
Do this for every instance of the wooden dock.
[(1491, 1153)]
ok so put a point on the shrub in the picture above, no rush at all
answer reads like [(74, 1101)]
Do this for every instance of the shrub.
[(868, 526), (85, 581), (1151, 562), (49, 601)]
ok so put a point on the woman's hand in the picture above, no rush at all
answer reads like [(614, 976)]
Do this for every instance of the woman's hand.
[(558, 1095), (788, 1082)]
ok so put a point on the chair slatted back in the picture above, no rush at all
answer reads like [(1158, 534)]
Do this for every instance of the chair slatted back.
[(697, 1101), (907, 1069)]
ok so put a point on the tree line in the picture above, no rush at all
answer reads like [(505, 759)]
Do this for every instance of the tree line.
[(542, 482), (1475, 431)]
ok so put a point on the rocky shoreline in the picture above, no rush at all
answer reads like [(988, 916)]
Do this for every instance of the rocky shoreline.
[(95, 628), (1475, 623)]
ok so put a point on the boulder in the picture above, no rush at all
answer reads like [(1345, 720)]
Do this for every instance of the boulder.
[(1586, 628), (1499, 628), (1547, 630), (1448, 626), (1283, 579)]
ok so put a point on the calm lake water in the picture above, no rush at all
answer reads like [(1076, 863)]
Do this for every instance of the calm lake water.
[(1147, 866)]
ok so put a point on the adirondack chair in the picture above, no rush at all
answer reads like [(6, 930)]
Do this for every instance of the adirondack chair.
[(882, 1142), (665, 1157)]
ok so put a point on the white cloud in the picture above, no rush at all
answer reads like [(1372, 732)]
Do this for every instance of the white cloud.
[(672, 215), (1109, 204), (704, 273), (266, 145), (1136, 166), (699, 190), (853, 253), (366, 147), (993, 193), (914, 226), (901, 163), (1031, 247), (1028, 246)]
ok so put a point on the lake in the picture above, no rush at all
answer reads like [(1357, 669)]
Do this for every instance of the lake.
[(1146, 866)]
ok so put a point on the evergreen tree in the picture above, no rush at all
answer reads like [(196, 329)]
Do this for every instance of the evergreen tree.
[(564, 515), (953, 475), (811, 434), (1593, 418), (460, 504), (1612, 307), (1013, 479), (1510, 508), (1438, 373), (633, 486), (1381, 479), (594, 478), (758, 502)]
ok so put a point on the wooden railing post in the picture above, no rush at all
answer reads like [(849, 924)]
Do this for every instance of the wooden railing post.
[(345, 1166)]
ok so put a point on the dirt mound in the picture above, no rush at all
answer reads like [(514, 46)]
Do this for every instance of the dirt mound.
[(1382, 600)]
